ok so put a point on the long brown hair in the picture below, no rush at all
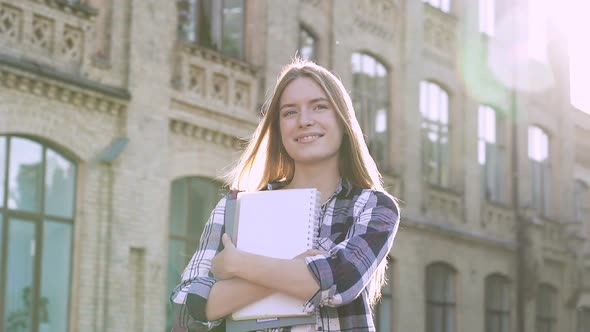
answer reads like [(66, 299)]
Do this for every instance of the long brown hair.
[(265, 159)]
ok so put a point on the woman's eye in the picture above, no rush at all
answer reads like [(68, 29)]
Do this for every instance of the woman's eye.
[(320, 107), (289, 112)]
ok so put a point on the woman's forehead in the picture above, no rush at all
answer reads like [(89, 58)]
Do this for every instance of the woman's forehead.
[(302, 89)]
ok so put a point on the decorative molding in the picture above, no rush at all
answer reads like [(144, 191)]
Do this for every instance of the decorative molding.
[(445, 206), (205, 79), (439, 30), (206, 134), (53, 36), (377, 17), (456, 232), (195, 49), (79, 10), (65, 93)]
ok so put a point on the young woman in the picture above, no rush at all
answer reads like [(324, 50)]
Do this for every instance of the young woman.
[(308, 137)]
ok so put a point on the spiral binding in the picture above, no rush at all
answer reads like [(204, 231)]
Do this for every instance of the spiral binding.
[(314, 216)]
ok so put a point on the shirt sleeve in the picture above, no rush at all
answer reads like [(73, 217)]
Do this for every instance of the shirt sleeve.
[(349, 268), (197, 278)]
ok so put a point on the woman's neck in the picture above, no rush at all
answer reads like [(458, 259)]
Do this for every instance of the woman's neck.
[(325, 180)]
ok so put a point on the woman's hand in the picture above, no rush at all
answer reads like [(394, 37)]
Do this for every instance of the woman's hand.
[(222, 265), (311, 252)]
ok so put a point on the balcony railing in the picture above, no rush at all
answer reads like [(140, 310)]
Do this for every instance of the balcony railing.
[(554, 239), (50, 32), (498, 221), (445, 206), (440, 36), (209, 80)]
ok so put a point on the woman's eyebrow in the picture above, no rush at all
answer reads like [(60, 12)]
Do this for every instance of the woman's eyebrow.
[(315, 100)]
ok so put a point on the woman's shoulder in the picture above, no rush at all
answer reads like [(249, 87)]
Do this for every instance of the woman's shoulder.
[(378, 197)]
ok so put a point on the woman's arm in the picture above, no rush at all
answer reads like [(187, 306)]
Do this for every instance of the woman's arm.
[(289, 276), (227, 296), (340, 276)]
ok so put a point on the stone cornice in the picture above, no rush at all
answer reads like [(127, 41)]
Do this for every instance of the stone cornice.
[(80, 10), (80, 93), (206, 134), (214, 56)]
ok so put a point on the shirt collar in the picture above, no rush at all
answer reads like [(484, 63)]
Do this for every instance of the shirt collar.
[(343, 190)]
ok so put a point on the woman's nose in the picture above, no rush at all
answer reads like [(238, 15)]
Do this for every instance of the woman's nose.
[(305, 118)]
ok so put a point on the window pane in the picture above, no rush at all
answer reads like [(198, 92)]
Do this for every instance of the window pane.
[(55, 277), (381, 121), (204, 194), (233, 27), (307, 45), (177, 259), (25, 175), (2, 168), (19, 280), (450, 319), (178, 208), (60, 179), (385, 308), (187, 14)]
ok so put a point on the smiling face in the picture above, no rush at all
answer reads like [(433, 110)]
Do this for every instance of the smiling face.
[(310, 129)]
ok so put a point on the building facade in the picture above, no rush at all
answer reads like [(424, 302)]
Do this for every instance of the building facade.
[(117, 119)]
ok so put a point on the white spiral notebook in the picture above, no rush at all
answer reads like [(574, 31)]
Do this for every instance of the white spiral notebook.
[(280, 224)]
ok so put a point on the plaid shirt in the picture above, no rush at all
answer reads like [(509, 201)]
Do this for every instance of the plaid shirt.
[(357, 229)]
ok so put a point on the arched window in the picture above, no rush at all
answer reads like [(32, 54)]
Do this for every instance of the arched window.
[(215, 24), (581, 200), (440, 298), (546, 317), (498, 304), (191, 201), (540, 169), (307, 44), (583, 319), (492, 153), (370, 95), (384, 310), (37, 209), (434, 108), (443, 5)]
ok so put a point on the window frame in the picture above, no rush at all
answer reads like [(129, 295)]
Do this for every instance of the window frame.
[(449, 306), (543, 316), (505, 313), (309, 34), (487, 17), (386, 292), (39, 219), (215, 27), (187, 239), (541, 176), (442, 5), (583, 319), (367, 105), (493, 168), (436, 164)]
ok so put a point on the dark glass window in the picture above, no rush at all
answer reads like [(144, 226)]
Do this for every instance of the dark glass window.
[(307, 45), (191, 201), (498, 304), (370, 96), (216, 24), (434, 108), (384, 310), (440, 298), (546, 309), (540, 169), (37, 208)]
